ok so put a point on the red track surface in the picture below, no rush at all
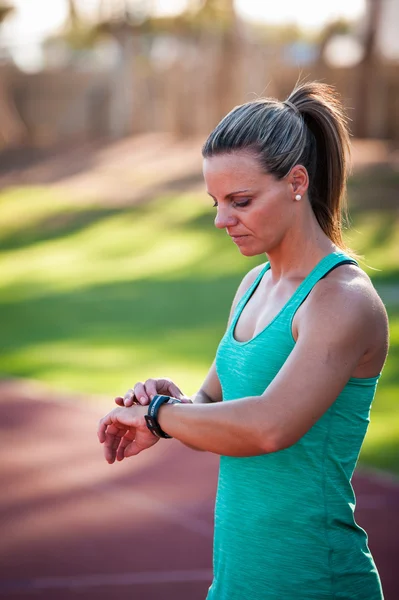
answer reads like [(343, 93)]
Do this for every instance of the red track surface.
[(73, 526)]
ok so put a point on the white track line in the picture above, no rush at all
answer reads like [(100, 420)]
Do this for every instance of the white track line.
[(117, 579)]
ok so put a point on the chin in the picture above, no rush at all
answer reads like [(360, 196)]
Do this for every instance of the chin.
[(251, 251)]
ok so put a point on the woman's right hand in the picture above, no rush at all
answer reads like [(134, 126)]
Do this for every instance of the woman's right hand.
[(142, 393)]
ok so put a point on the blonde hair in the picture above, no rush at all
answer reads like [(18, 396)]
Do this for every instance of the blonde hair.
[(309, 128)]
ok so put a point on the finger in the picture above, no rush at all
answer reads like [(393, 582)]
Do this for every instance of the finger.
[(111, 442), (129, 398), (123, 443), (109, 452), (115, 445), (150, 387), (141, 394), (102, 427), (114, 435), (119, 401), (170, 388), (175, 391)]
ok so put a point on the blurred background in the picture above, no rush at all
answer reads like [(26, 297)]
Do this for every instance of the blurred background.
[(110, 268)]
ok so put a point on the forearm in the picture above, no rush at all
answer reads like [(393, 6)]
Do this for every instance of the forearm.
[(199, 397), (235, 428)]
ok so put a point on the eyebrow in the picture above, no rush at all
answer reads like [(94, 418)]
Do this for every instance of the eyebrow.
[(231, 193)]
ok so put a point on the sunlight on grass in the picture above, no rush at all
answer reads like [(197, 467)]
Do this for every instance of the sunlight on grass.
[(124, 247), (28, 206), (376, 236)]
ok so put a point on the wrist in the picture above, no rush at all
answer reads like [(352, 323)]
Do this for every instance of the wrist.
[(157, 403)]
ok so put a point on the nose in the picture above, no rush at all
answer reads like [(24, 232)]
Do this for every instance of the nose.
[(224, 219)]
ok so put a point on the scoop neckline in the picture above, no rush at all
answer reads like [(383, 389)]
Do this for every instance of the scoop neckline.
[(251, 290)]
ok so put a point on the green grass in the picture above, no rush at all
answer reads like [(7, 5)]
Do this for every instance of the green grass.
[(93, 299), (128, 294)]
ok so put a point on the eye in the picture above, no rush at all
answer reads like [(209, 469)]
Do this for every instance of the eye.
[(236, 204), (241, 204)]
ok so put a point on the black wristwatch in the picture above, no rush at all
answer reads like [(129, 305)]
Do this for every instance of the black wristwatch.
[(151, 417)]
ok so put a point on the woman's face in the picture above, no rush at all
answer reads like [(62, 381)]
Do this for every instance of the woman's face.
[(255, 209)]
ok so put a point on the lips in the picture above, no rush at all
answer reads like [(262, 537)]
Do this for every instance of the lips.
[(237, 238)]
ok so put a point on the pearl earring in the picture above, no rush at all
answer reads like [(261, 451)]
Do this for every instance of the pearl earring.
[(298, 197)]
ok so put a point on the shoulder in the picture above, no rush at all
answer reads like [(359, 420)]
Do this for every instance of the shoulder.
[(346, 300), (247, 281), (348, 288)]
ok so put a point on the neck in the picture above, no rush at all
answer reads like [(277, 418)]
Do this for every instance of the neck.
[(301, 248)]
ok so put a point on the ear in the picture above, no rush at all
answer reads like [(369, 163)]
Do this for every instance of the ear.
[(298, 179)]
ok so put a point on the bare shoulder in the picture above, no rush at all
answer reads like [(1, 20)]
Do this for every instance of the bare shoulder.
[(349, 289), (347, 299)]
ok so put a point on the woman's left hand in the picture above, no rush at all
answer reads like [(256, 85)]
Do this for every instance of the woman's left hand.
[(124, 433)]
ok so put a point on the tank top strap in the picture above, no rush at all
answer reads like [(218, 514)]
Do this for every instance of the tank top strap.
[(245, 297), (327, 264)]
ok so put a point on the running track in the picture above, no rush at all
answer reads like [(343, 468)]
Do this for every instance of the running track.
[(73, 526)]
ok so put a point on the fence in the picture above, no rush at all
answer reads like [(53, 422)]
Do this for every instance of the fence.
[(185, 84)]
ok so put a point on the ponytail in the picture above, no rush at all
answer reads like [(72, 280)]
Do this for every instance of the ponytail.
[(326, 154)]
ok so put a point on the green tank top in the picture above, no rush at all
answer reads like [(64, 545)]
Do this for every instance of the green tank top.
[(284, 522)]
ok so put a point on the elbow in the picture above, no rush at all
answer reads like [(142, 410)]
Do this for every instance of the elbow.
[(270, 443), (274, 442)]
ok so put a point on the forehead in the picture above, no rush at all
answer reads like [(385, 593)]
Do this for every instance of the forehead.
[(235, 165)]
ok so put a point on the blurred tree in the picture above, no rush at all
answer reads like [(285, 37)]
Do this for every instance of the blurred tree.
[(5, 10), (220, 16), (338, 27), (73, 14), (77, 33), (213, 13), (367, 66), (213, 21), (12, 128)]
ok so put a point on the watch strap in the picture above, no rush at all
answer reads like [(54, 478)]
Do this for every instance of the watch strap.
[(151, 417)]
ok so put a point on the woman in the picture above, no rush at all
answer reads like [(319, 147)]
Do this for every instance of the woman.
[(286, 403)]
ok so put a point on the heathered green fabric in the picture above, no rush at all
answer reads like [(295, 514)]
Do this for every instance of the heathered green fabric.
[(284, 522)]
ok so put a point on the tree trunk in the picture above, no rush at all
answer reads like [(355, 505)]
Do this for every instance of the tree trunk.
[(366, 68)]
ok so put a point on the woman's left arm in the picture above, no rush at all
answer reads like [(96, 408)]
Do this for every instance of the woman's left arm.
[(335, 332)]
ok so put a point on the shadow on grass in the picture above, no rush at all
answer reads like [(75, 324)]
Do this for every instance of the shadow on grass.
[(170, 315)]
